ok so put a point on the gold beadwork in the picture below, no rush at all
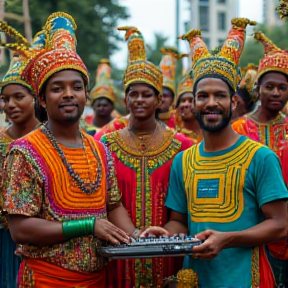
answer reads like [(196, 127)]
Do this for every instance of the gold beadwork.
[(139, 70)]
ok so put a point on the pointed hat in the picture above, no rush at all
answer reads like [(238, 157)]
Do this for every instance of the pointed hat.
[(59, 52), (139, 70), (168, 66), (23, 53), (274, 59), (103, 87), (224, 63)]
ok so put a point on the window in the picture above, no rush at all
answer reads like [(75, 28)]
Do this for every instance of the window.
[(221, 1), (221, 20), (204, 18)]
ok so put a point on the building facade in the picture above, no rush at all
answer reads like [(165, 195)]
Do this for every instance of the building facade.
[(270, 15), (213, 18)]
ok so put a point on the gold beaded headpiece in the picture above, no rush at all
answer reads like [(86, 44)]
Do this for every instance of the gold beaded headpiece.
[(58, 54), (139, 70), (274, 59), (23, 52), (224, 63), (186, 82), (103, 86), (168, 66)]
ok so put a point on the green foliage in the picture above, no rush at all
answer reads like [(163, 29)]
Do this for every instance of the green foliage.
[(96, 21), (254, 50)]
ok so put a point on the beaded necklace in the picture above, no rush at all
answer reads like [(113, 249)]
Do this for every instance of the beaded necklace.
[(88, 188), (140, 142)]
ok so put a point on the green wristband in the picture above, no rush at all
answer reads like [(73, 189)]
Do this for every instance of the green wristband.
[(78, 228)]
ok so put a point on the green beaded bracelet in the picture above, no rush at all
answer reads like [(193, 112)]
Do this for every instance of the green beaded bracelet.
[(77, 228)]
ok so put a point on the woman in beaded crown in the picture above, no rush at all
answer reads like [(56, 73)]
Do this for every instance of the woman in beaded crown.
[(21, 109), (143, 153)]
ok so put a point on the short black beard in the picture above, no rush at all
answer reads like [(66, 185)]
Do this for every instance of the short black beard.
[(215, 128), (73, 119)]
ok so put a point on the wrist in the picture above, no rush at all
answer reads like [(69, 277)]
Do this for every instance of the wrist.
[(78, 228)]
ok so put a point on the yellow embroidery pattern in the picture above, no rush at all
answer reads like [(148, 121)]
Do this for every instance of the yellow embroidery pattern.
[(214, 185)]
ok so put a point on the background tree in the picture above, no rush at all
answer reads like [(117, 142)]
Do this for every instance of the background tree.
[(96, 21), (254, 51)]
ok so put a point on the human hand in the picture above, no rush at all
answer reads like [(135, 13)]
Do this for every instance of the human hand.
[(214, 242), (155, 231), (105, 230)]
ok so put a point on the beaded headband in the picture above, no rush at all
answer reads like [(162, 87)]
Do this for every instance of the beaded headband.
[(103, 86), (168, 66), (139, 70), (23, 53), (225, 62), (275, 59), (58, 54)]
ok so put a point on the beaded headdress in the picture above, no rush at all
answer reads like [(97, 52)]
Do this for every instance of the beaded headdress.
[(274, 59), (247, 84), (224, 63), (168, 66), (103, 86), (59, 52), (23, 52), (139, 70)]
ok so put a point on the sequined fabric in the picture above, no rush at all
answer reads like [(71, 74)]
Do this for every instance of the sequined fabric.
[(37, 184), (5, 141)]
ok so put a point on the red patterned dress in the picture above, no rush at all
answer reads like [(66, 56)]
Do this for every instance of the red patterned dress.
[(143, 182)]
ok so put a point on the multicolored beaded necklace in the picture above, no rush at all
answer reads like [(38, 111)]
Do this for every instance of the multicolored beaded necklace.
[(88, 188)]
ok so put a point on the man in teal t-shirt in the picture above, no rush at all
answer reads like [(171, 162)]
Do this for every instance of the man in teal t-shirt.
[(228, 190)]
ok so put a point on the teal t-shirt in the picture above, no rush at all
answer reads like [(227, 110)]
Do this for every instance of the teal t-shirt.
[(224, 191)]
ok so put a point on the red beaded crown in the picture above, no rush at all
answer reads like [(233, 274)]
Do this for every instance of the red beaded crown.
[(275, 59), (58, 54)]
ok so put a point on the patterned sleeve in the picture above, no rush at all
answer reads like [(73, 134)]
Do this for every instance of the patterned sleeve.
[(114, 195), (22, 184)]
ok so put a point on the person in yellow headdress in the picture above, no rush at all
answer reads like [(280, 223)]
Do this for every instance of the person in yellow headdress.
[(227, 190), (20, 107), (269, 126), (186, 122), (168, 66), (59, 185), (143, 153), (246, 95), (102, 96)]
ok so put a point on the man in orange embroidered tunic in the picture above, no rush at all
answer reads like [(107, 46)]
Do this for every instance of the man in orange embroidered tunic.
[(60, 190)]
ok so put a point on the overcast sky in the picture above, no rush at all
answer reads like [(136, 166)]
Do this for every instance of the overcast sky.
[(158, 16)]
